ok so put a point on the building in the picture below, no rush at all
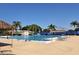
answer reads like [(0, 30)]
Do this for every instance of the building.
[(26, 32)]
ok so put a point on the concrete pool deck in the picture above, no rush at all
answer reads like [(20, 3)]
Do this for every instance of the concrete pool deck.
[(68, 47)]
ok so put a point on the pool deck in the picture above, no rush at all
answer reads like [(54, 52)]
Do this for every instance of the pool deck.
[(68, 47)]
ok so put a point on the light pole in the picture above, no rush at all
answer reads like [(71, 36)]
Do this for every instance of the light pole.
[(12, 39)]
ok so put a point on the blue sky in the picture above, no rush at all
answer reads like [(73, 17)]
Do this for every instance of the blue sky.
[(42, 14)]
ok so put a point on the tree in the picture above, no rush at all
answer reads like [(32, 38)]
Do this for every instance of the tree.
[(77, 29), (52, 27), (46, 30), (35, 28), (78, 25), (74, 24), (25, 27), (17, 24)]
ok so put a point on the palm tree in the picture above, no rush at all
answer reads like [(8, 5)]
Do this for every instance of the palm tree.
[(74, 24), (52, 27), (17, 24)]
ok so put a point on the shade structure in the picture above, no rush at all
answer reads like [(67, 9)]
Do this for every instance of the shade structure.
[(4, 25)]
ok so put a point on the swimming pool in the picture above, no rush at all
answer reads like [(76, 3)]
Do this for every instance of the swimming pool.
[(35, 37)]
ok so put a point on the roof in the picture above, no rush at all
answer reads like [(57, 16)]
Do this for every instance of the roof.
[(58, 31), (4, 25)]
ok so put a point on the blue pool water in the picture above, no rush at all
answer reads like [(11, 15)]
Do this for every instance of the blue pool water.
[(35, 37)]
